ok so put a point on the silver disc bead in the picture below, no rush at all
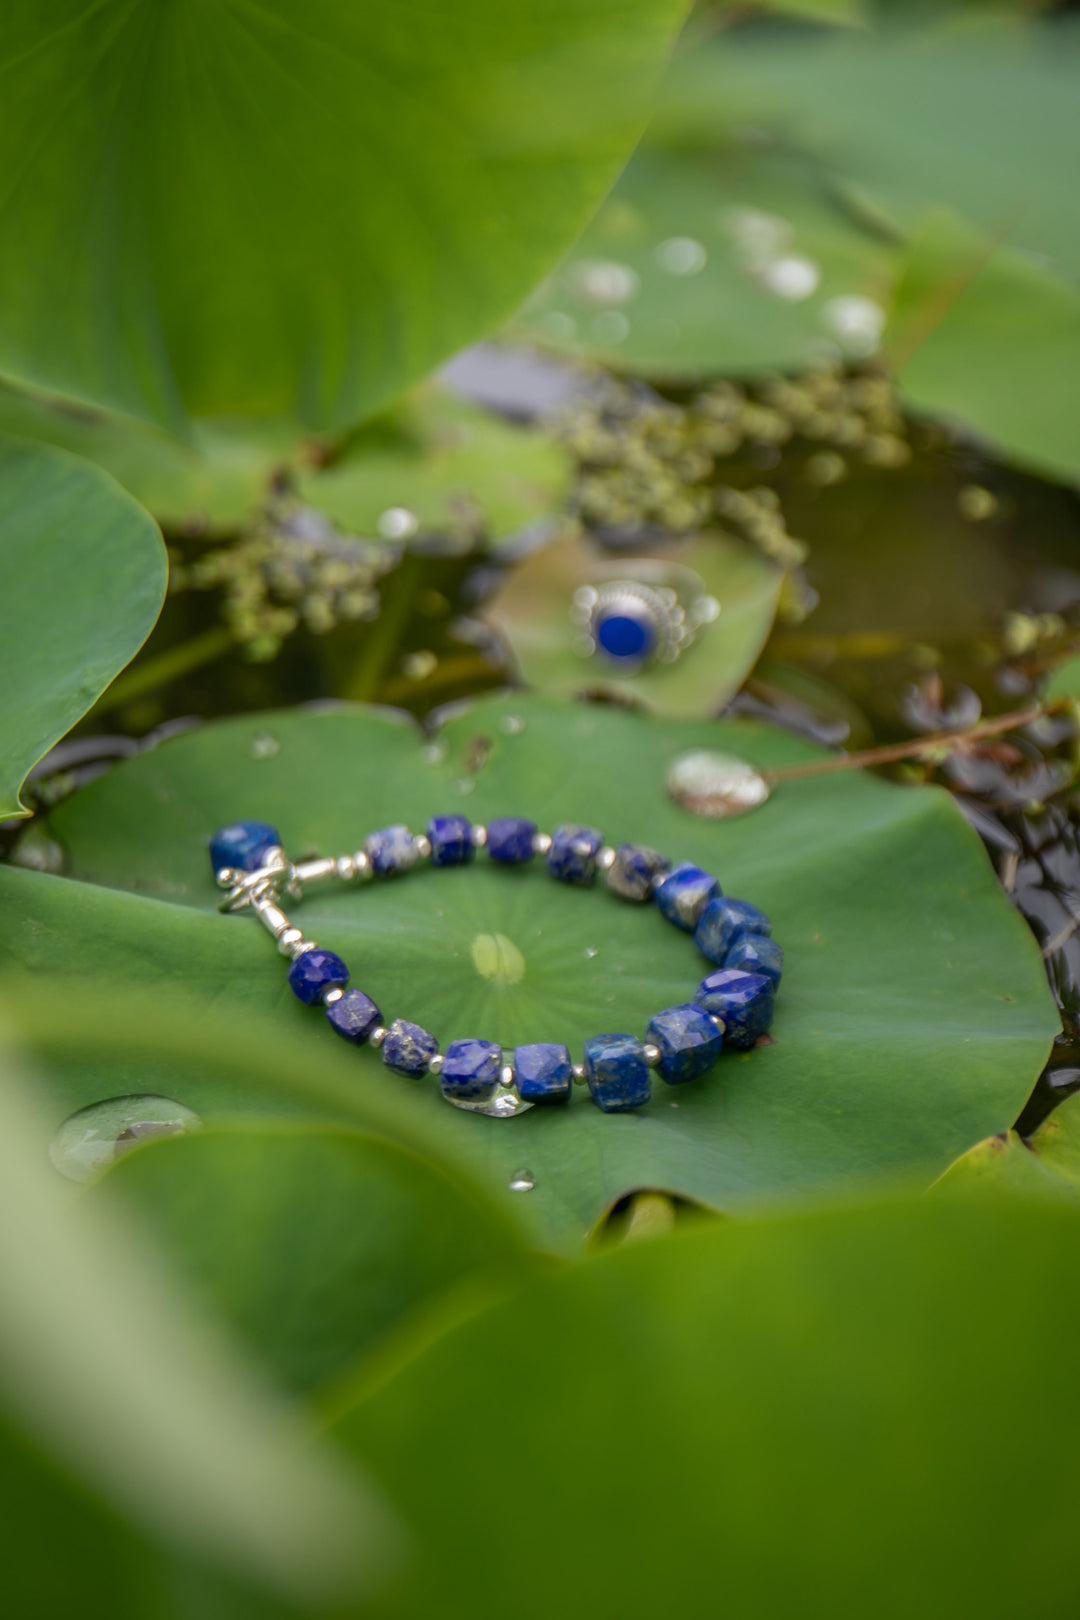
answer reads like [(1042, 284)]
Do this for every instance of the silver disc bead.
[(435, 1064), (541, 843), (651, 1054), (506, 1075), (479, 836), (423, 846), (578, 1072), (288, 939), (605, 858), (377, 1036)]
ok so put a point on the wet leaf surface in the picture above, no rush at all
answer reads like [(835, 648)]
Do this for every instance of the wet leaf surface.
[(912, 1021)]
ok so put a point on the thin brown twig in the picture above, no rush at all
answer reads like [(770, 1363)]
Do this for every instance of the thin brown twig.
[(917, 747)]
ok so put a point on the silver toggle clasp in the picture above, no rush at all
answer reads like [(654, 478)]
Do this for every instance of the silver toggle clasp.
[(267, 881)]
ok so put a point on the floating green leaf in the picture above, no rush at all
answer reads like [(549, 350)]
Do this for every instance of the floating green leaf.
[(1048, 1163), (913, 1018), (296, 208), (313, 1242), (816, 1410), (82, 577)]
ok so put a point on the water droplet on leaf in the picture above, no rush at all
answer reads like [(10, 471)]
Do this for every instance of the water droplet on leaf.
[(715, 785), (264, 745), (522, 1181), (89, 1140)]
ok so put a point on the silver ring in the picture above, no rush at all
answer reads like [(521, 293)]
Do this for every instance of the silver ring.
[(640, 612)]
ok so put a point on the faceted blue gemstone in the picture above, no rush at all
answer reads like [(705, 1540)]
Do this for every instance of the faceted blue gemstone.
[(510, 839), (470, 1070), (617, 1072), (683, 895), (756, 953), (391, 849), (242, 845), (408, 1048), (625, 636), (573, 852), (743, 1000), (635, 870), (688, 1039), (543, 1072), (353, 1016), (316, 972), (451, 840), (724, 921)]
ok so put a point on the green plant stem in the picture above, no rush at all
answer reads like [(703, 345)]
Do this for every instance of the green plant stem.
[(139, 679)]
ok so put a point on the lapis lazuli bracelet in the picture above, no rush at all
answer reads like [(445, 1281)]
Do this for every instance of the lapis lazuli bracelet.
[(731, 1007)]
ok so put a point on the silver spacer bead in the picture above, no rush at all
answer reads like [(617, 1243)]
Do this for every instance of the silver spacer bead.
[(719, 1022), (288, 939), (651, 1054), (300, 948), (332, 995), (541, 843), (578, 1072), (605, 858), (377, 1036), (422, 845), (226, 878), (362, 863), (345, 867), (506, 1075), (435, 1064), (479, 837)]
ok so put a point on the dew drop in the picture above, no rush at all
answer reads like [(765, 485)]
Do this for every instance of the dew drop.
[(433, 753), (466, 785), (792, 277), (591, 950), (264, 745), (715, 785), (397, 523), (511, 725), (857, 321), (89, 1140), (522, 1181)]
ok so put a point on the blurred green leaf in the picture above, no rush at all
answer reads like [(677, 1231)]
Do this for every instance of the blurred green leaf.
[(532, 611), (82, 577), (314, 1243), (1049, 1162), (294, 210), (913, 1018), (104, 1367), (982, 332), (816, 1410)]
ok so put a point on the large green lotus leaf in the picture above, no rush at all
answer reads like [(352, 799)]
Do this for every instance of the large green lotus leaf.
[(111, 1383), (82, 578), (1048, 1162), (733, 213), (314, 1243), (812, 1416), (912, 1022), (980, 331), (533, 613), (293, 209)]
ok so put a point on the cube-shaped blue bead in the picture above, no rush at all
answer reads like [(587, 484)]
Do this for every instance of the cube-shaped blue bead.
[(543, 1072), (688, 1040), (451, 842), (510, 840), (617, 1072), (408, 1048), (635, 871), (756, 953), (316, 972), (353, 1016), (723, 921), (573, 852), (470, 1070), (683, 895), (242, 845), (743, 1000), (391, 849)]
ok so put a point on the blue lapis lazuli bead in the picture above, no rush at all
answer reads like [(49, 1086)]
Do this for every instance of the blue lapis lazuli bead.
[(723, 921), (617, 1072), (390, 850), (683, 895), (743, 1000), (688, 1041), (624, 637), (451, 842), (543, 1072), (408, 1048), (756, 953), (470, 1070), (242, 845), (353, 1016), (316, 972), (636, 870), (510, 840), (573, 852)]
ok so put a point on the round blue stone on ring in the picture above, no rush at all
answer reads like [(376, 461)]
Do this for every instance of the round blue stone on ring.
[(242, 845), (451, 842), (625, 637), (316, 972)]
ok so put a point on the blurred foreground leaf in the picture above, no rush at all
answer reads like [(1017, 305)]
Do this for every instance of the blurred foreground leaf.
[(82, 577), (913, 1018), (294, 210), (816, 1412)]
